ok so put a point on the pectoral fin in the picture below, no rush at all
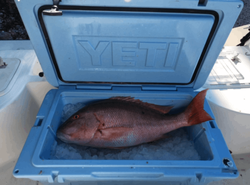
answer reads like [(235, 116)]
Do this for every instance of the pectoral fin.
[(114, 133)]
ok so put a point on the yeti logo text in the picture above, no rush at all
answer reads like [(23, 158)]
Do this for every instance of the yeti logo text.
[(142, 53)]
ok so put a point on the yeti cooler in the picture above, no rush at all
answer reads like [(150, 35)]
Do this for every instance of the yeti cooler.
[(157, 51)]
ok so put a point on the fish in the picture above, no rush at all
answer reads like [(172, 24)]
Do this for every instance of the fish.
[(121, 122)]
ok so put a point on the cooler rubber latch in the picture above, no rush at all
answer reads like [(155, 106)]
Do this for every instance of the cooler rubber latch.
[(54, 9)]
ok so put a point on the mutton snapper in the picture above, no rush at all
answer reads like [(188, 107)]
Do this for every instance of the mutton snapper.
[(121, 122)]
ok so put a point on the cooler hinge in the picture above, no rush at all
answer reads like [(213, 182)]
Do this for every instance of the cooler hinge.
[(202, 2), (95, 87), (157, 88), (54, 9)]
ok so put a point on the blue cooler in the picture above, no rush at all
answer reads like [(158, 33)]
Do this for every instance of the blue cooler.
[(157, 51)]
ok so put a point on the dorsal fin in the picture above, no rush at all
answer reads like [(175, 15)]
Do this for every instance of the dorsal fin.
[(161, 109)]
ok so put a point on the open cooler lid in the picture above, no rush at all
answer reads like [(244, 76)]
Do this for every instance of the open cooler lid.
[(154, 42), (127, 45)]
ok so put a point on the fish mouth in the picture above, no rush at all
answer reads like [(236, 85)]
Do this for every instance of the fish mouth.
[(63, 137)]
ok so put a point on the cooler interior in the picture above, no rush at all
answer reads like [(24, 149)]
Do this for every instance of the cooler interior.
[(189, 143)]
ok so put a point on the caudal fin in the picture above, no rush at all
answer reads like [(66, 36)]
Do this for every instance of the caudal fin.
[(195, 113)]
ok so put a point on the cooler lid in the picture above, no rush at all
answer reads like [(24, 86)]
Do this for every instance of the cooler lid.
[(127, 45)]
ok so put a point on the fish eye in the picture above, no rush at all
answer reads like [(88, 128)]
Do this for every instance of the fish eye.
[(76, 116)]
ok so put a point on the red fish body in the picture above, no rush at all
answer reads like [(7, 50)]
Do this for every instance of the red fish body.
[(123, 121)]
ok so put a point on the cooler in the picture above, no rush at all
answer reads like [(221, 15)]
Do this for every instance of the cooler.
[(157, 51)]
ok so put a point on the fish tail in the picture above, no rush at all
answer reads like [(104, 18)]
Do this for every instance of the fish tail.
[(195, 113)]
